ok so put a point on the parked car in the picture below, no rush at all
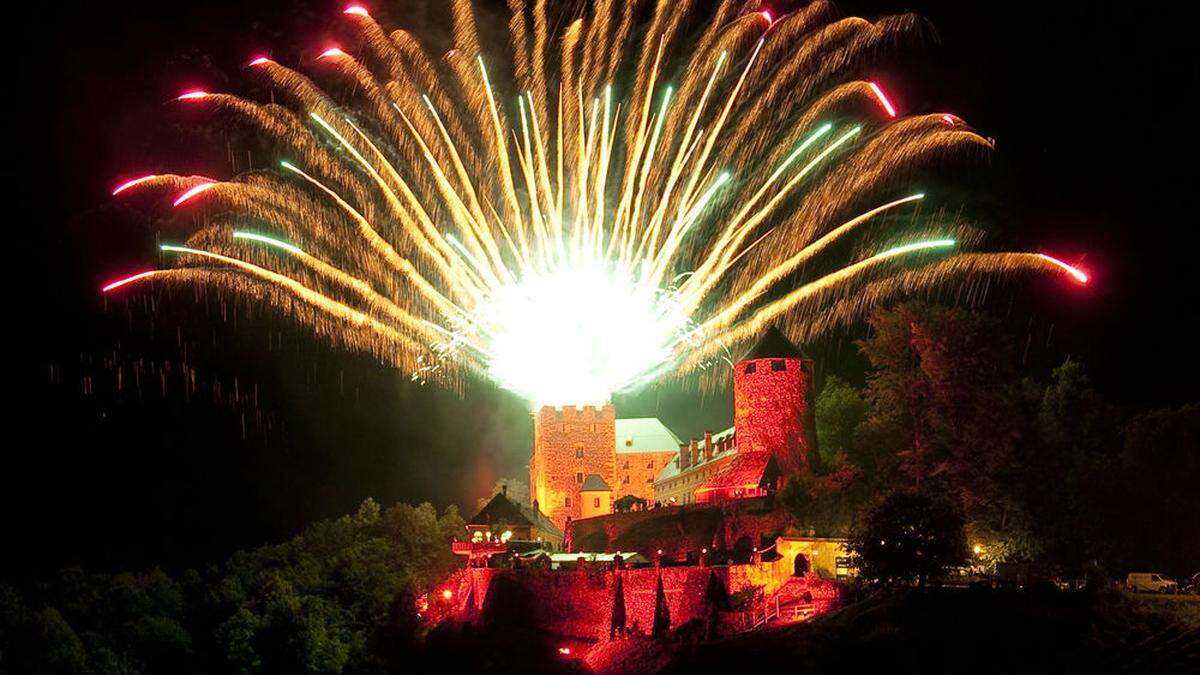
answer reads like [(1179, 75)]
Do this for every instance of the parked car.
[(1025, 575), (1191, 585), (1151, 582)]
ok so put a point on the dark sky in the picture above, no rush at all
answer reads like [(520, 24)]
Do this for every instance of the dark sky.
[(1092, 105)]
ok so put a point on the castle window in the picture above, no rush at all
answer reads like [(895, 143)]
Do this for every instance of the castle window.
[(650, 464), (626, 464), (578, 476), (749, 368), (567, 502), (596, 502), (579, 452), (626, 480), (564, 427), (779, 364)]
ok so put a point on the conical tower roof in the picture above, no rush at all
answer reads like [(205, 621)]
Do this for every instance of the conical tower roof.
[(773, 344)]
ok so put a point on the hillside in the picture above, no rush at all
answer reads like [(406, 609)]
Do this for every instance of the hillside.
[(974, 632)]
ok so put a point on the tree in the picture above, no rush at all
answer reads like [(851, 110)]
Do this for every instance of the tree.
[(57, 647), (662, 613), (826, 503), (1074, 431), (840, 408), (945, 414), (1144, 514), (628, 503), (908, 537)]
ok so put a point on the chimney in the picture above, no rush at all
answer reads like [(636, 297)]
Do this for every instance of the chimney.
[(708, 446), (694, 452), (684, 457)]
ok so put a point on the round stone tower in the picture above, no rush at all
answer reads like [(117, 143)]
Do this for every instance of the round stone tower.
[(772, 403)]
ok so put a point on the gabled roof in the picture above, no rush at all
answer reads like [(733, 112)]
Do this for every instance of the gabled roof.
[(645, 434), (671, 470), (748, 470), (503, 511), (594, 483), (773, 344)]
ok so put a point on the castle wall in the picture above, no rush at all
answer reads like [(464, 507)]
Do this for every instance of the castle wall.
[(570, 443), (678, 531), (773, 410), (636, 472), (578, 605)]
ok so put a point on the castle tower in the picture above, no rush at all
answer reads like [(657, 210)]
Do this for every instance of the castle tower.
[(570, 444), (772, 403)]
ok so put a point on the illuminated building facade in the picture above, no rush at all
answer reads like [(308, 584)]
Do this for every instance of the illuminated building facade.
[(694, 465), (502, 524), (772, 434), (772, 437), (571, 445), (772, 403)]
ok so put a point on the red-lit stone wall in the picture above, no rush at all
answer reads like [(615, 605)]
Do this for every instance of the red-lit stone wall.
[(772, 411), (560, 436), (578, 604)]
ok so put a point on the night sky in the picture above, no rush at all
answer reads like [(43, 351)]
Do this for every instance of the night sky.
[(1092, 105)]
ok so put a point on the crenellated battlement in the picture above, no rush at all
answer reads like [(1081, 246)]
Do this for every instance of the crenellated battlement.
[(571, 413)]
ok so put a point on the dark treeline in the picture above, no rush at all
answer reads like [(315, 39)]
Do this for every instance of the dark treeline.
[(339, 597), (1043, 470)]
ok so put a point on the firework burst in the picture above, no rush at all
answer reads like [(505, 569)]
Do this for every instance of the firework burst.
[(628, 198)]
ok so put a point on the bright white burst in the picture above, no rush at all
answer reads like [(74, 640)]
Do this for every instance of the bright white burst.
[(578, 334)]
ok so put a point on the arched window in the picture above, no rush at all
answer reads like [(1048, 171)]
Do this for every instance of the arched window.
[(801, 566)]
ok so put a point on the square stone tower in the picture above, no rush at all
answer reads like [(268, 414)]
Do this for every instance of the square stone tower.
[(569, 444)]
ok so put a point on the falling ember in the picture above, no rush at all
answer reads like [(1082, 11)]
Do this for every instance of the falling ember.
[(570, 238), (883, 100), (131, 183), (129, 280), (192, 95), (1079, 274), (192, 192)]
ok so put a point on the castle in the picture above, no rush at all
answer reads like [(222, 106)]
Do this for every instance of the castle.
[(584, 458), (718, 540)]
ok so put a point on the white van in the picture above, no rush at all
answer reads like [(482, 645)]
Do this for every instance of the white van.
[(1150, 582)]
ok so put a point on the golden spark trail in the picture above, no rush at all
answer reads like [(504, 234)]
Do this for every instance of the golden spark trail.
[(636, 191)]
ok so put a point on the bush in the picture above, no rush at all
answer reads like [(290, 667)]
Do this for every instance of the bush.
[(908, 537)]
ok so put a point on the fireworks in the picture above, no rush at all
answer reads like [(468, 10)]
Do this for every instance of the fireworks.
[(611, 210)]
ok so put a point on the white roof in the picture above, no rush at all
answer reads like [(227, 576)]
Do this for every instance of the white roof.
[(645, 434), (627, 556), (671, 470)]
